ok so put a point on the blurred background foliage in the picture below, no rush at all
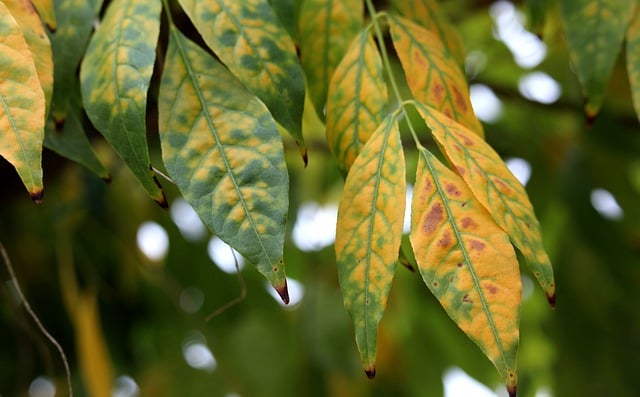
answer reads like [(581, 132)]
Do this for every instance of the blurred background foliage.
[(131, 325)]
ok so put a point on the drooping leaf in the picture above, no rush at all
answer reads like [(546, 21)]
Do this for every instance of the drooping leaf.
[(115, 76), (22, 106), (221, 146), (37, 41), (368, 233), (47, 12), (427, 13), (633, 60), (285, 10), (496, 188), (327, 28), (432, 74), (595, 30), (356, 100), (467, 262), (249, 39)]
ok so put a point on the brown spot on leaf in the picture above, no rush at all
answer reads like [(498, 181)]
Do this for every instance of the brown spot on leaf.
[(503, 187), (466, 299), (37, 196), (552, 300), (459, 264), (459, 100), (447, 112), (464, 204), (417, 56), (283, 291), (438, 92), (371, 372), (445, 241), (433, 218), (476, 245), (492, 289), (461, 170), (453, 190), (468, 222), (428, 185), (435, 284)]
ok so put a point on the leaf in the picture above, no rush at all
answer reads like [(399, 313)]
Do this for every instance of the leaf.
[(22, 106), (249, 39), (368, 233), (37, 41), (633, 60), (221, 146), (467, 262), (115, 76), (47, 12), (595, 30), (285, 10), (356, 100), (537, 14), (327, 28), (432, 73), (496, 188), (427, 13)]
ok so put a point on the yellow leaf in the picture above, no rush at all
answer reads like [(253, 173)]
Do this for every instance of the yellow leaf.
[(47, 12)]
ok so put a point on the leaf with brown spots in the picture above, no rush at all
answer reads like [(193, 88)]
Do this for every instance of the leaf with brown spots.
[(369, 232), (432, 73), (467, 262), (496, 188)]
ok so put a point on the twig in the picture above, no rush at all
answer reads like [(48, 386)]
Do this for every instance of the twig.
[(35, 318), (162, 174), (238, 299)]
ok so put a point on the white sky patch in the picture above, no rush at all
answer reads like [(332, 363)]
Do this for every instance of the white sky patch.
[(125, 386), (315, 226), (605, 203), (485, 103), (187, 221), (520, 168), (197, 354), (42, 387), (458, 384), (191, 299), (153, 241), (296, 293), (406, 227), (527, 49), (224, 256), (539, 87)]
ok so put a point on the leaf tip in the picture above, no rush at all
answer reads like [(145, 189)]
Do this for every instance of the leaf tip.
[(512, 384), (37, 195), (303, 152), (551, 298), (162, 201), (371, 372), (512, 390), (283, 291)]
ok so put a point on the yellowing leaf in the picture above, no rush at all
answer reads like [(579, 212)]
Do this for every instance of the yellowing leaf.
[(633, 60), (221, 146), (496, 188), (249, 39), (327, 28), (47, 12), (37, 41), (368, 233), (595, 30), (427, 13), (468, 263), (22, 106), (356, 100), (115, 76), (432, 74)]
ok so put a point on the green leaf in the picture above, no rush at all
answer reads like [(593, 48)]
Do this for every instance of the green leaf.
[(633, 60), (22, 106), (249, 39), (47, 12), (115, 76), (467, 262), (327, 28), (537, 14), (432, 74), (595, 30), (221, 146), (368, 233), (285, 10), (356, 101), (496, 188), (427, 13)]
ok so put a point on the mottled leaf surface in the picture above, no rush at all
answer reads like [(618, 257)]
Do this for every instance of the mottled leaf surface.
[(115, 76), (327, 28), (22, 106), (427, 13), (356, 101), (595, 30), (633, 60), (468, 262), (432, 74), (496, 188), (368, 233), (47, 12), (221, 146), (250, 40)]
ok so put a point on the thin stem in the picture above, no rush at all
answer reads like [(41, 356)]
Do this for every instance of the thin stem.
[(238, 299), (35, 318), (162, 174)]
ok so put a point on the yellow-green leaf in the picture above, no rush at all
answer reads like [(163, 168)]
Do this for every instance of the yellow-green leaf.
[(221, 146), (327, 28), (356, 100), (432, 74), (249, 39), (47, 12), (595, 30), (22, 106), (467, 262), (633, 60), (427, 13), (368, 233), (37, 41), (115, 76), (496, 188)]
